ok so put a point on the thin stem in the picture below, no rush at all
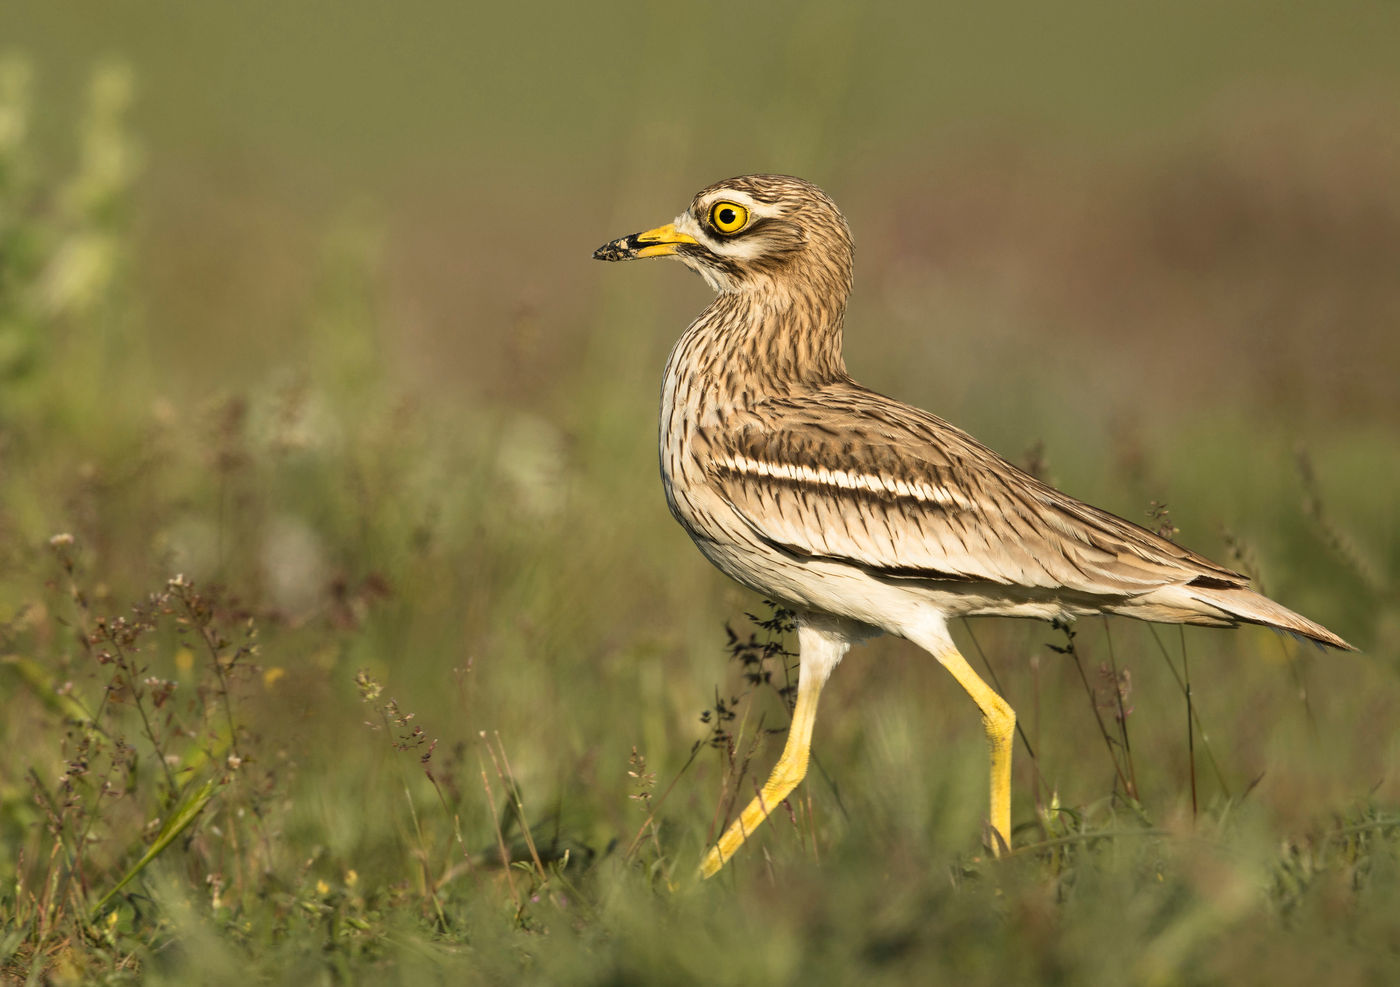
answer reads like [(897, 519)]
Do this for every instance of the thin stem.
[(1190, 721), (500, 836), (1195, 716), (513, 792), (1073, 652), (1122, 711), (125, 670), (214, 646)]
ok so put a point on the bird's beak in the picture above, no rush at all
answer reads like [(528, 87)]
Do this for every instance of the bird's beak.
[(660, 242)]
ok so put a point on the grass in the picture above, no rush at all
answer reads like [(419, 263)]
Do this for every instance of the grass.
[(326, 677)]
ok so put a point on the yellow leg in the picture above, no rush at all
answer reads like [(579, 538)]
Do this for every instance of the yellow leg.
[(821, 644), (999, 720)]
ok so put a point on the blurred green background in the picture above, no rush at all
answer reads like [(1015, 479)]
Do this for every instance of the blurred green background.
[(296, 299)]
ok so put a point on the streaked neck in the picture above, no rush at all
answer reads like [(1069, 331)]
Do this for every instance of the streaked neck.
[(766, 342)]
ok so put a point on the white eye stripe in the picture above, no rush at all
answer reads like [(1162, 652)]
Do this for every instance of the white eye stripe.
[(706, 206), (738, 247)]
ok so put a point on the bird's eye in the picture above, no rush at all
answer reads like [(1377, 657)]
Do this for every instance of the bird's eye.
[(728, 217)]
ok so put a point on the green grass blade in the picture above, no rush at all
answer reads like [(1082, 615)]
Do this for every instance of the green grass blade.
[(179, 821)]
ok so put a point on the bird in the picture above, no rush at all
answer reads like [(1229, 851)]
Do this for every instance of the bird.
[(862, 514)]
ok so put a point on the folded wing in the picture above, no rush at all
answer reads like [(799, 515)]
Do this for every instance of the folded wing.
[(904, 495)]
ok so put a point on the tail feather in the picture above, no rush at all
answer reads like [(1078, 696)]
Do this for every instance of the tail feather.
[(1253, 608), (1183, 603)]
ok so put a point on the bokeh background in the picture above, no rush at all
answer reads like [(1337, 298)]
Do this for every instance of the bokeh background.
[(296, 299)]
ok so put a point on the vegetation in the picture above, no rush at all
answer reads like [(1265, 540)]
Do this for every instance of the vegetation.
[(315, 668)]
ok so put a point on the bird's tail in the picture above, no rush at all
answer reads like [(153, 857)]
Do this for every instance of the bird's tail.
[(1238, 604)]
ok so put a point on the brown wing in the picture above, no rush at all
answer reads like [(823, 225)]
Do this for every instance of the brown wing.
[(858, 477)]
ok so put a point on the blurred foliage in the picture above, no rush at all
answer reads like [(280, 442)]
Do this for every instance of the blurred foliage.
[(60, 245), (343, 630)]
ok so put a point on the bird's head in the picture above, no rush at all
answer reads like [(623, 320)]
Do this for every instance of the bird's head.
[(751, 233)]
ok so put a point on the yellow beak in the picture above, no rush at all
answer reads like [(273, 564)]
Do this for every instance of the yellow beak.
[(660, 242)]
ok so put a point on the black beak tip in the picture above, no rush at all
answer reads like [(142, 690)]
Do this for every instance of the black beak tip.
[(618, 249)]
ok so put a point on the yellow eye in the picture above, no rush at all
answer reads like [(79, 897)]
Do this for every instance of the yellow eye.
[(728, 217)]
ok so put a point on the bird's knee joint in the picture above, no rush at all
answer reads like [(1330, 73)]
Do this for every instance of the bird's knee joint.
[(999, 720)]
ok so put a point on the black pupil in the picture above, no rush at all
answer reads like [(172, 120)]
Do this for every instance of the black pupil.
[(727, 216)]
